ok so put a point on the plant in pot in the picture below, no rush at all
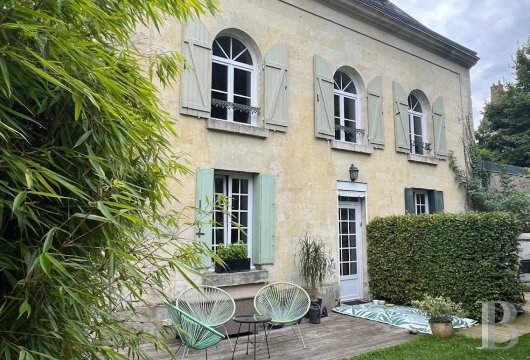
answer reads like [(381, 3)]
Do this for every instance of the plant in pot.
[(234, 256), (314, 261), (440, 311)]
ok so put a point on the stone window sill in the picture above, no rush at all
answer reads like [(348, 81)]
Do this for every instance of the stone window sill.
[(347, 146), (236, 278), (423, 159), (236, 128)]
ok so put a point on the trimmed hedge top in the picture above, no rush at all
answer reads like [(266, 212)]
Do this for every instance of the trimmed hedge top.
[(468, 257)]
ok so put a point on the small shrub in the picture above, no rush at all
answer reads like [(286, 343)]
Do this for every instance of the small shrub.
[(314, 260), (439, 309), (236, 250)]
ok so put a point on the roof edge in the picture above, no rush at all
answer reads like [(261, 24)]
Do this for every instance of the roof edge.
[(401, 26)]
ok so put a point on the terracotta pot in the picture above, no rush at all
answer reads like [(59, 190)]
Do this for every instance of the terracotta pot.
[(442, 330)]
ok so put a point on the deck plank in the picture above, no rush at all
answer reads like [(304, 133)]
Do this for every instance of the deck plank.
[(336, 337)]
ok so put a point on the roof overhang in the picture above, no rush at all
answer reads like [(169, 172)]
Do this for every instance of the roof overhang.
[(402, 27)]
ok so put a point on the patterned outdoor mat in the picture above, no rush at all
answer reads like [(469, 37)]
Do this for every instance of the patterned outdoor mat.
[(401, 316)]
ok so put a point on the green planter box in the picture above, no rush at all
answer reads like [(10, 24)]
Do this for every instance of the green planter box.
[(234, 265)]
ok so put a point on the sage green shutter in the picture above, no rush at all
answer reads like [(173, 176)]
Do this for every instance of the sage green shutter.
[(401, 119), (204, 203), (195, 96), (410, 208), (275, 107), (324, 122), (436, 201), (264, 219), (376, 128), (438, 118)]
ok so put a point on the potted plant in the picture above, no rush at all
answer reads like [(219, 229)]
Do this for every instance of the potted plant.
[(234, 256), (440, 311), (315, 262)]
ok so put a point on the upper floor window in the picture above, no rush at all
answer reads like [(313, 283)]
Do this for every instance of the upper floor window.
[(417, 127), (346, 108), (233, 81)]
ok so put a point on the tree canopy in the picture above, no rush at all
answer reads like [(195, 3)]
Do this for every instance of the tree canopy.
[(504, 133), (84, 158)]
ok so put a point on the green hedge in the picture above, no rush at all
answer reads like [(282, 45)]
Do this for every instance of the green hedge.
[(469, 257)]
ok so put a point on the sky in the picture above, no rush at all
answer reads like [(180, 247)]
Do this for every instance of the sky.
[(492, 28)]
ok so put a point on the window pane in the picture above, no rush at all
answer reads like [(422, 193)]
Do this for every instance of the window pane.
[(336, 78), (337, 128), (219, 236), (240, 115), (353, 254), (353, 268), (243, 237), (344, 241), (343, 214), (241, 82), (235, 202), (243, 202), (345, 255), (219, 185), (219, 77), (219, 112), (235, 186), (243, 219), (343, 227), (234, 236), (345, 269), (244, 186), (349, 86), (349, 135), (349, 108), (221, 46), (337, 105), (352, 227), (417, 125), (239, 52), (352, 241)]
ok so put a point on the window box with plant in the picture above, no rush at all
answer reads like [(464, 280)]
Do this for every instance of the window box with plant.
[(441, 312), (234, 256)]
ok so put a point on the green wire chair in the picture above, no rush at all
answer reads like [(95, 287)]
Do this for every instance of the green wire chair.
[(193, 333), (285, 303), (209, 304)]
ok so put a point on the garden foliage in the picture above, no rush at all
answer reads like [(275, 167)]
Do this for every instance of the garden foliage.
[(84, 159), (468, 257)]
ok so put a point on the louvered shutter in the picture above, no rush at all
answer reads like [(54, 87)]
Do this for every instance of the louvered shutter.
[(196, 77), (401, 119), (264, 219), (204, 204), (275, 107), (324, 122), (436, 201), (376, 128), (410, 208), (438, 118)]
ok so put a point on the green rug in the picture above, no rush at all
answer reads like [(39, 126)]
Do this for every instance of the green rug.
[(401, 316)]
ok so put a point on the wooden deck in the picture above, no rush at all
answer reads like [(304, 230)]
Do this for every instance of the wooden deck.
[(336, 337)]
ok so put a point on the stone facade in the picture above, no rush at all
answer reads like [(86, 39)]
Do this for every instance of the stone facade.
[(308, 170)]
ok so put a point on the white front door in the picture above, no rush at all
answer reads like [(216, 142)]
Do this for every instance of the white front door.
[(350, 262)]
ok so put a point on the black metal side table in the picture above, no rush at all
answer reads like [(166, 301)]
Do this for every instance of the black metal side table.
[(252, 319)]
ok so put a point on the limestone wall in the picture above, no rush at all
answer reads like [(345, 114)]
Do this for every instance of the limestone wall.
[(307, 168)]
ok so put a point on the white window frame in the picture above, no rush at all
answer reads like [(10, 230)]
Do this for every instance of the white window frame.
[(347, 95), (231, 65), (227, 178), (412, 134), (425, 205)]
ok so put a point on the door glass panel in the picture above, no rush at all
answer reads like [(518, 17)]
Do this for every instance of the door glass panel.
[(348, 241)]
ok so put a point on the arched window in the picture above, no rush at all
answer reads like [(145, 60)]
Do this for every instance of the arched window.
[(233, 81), (417, 126), (346, 108)]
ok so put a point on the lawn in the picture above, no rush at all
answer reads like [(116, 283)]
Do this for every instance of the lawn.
[(457, 347)]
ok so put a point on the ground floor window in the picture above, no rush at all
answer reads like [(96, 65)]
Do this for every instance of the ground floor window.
[(232, 216), (423, 201)]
